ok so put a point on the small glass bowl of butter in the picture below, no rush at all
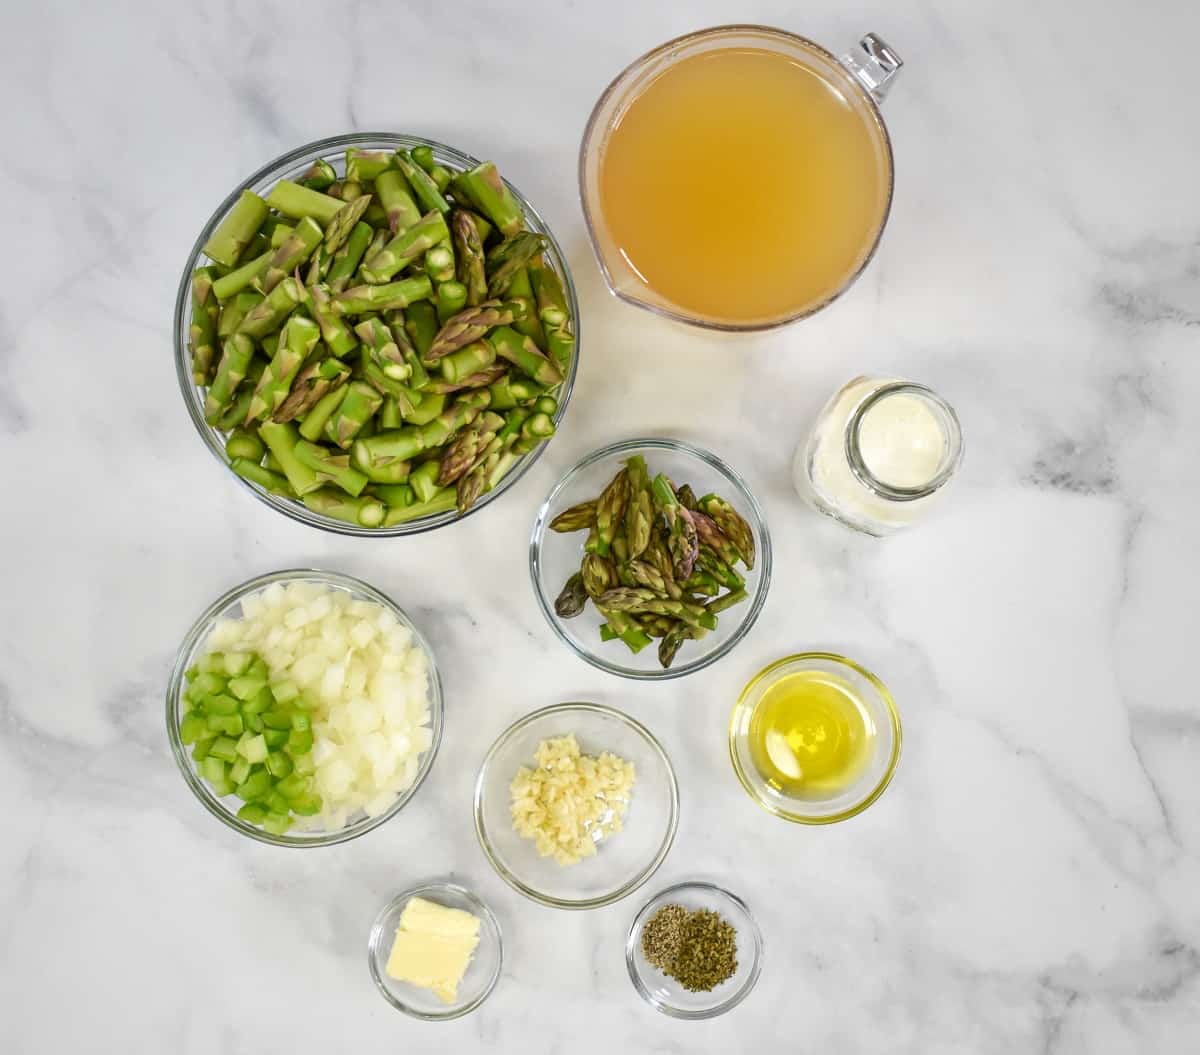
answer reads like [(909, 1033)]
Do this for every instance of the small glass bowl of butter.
[(436, 937)]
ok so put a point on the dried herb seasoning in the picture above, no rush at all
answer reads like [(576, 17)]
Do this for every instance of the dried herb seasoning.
[(698, 949), (707, 954), (663, 934)]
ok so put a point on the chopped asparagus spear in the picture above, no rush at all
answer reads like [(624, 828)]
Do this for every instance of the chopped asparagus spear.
[(409, 245), (296, 201), (270, 481), (524, 355), (400, 209), (335, 468), (506, 259), (320, 175), (483, 188), (451, 297), (365, 165), (364, 510), (202, 332), (235, 360), (236, 230), (423, 187), (238, 279), (361, 299), (344, 222), (296, 248), (347, 258), (313, 425)]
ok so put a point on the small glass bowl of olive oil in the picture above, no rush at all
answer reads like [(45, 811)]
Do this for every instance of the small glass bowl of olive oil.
[(815, 738)]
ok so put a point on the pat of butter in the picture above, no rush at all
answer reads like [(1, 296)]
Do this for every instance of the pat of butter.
[(433, 947)]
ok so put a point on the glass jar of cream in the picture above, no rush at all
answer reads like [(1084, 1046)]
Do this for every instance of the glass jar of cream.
[(880, 454)]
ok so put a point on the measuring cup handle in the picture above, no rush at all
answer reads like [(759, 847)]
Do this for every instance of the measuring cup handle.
[(874, 63)]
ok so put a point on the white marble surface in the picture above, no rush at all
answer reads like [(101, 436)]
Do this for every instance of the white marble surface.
[(1030, 883)]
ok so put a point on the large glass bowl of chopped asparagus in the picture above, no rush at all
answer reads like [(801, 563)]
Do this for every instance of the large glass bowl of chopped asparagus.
[(304, 708), (376, 333), (651, 558)]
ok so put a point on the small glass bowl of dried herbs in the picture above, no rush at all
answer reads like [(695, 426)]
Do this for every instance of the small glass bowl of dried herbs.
[(694, 951)]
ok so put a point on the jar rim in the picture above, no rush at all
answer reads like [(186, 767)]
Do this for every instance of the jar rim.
[(952, 432)]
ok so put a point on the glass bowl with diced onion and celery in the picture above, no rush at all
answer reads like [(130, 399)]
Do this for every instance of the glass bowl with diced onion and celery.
[(576, 805), (304, 708), (376, 333), (651, 558)]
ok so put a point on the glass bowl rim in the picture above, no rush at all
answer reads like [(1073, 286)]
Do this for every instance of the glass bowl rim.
[(625, 889), (182, 314), (763, 561), (202, 626), (734, 998), (686, 39), (376, 936), (885, 778)]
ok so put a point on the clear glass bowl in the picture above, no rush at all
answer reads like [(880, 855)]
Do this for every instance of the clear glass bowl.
[(622, 862), (290, 166), (229, 607), (664, 993), (483, 972), (554, 557), (876, 775)]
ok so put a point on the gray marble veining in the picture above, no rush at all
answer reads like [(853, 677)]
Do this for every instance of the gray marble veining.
[(1030, 882)]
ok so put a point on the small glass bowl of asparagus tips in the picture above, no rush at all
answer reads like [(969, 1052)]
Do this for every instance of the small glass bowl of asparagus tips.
[(377, 334), (651, 558)]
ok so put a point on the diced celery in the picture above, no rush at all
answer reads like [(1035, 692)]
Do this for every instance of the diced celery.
[(259, 702), (191, 672), (211, 663), (278, 764), (307, 805), (278, 718), (253, 749), (293, 786), (239, 771), (214, 770), (277, 803), (301, 720), (285, 691), (206, 684), (258, 668), (225, 787), (304, 764), (221, 704), (253, 722), (275, 737), (224, 747), (253, 813), (277, 823), (247, 686), (229, 724), (300, 741), (255, 786), (193, 727), (237, 663), (202, 748)]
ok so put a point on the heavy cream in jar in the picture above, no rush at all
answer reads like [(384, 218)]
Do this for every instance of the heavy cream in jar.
[(880, 454)]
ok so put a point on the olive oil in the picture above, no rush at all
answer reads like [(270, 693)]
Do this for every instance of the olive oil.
[(744, 186), (810, 735)]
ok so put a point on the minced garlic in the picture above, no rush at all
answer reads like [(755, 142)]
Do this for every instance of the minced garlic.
[(571, 800)]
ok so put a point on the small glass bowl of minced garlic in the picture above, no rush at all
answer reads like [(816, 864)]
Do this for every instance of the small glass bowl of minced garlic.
[(435, 951), (694, 951)]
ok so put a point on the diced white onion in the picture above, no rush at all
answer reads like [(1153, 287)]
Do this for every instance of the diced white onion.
[(362, 677)]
